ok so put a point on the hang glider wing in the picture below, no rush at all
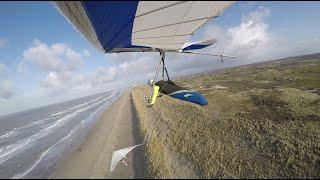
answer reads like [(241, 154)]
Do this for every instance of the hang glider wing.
[(197, 45), (119, 154), (140, 26)]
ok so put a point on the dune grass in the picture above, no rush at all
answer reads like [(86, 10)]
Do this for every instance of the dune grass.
[(263, 121)]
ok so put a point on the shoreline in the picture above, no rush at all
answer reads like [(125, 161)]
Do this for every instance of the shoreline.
[(116, 129)]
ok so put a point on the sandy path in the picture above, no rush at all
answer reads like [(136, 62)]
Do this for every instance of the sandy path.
[(116, 129)]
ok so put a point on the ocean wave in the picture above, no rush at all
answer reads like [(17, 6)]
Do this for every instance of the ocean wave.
[(57, 114), (80, 105), (84, 124), (17, 131), (41, 157), (13, 149), (88, 102)]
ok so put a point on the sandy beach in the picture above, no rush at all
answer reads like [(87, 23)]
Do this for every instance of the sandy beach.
[(116, 129)]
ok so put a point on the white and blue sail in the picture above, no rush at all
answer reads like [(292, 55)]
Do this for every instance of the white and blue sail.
[(141, 26)]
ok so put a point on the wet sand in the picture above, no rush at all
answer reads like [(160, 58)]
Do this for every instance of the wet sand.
[(116, 129)]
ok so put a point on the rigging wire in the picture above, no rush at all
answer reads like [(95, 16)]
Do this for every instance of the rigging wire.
[(123, 74), (155, 78), (131, 76)]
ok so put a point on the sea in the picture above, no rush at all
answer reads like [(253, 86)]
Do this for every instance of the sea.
[(32, 142)]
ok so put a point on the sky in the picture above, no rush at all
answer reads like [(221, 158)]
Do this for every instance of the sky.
[(44, 60)]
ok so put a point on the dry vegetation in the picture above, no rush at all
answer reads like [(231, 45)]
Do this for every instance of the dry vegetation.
[(262, 121)]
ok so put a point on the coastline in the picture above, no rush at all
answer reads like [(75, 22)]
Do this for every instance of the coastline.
[(116, 129)]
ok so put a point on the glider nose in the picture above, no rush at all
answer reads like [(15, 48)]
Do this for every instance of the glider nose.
[(203, 100)]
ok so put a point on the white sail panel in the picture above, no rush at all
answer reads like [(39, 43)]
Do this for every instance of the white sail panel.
[(175, 19)]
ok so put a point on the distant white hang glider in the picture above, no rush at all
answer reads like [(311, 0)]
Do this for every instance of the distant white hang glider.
[(119, 155)]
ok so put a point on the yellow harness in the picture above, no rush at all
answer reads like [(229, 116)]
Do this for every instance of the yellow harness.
[(155, 94)]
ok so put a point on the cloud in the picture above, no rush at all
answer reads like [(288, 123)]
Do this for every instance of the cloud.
[(102, 75), (58, 49), (253, 41), (138, 67), (59, 62), (75, 59), (125, 57), (57, 84), (312, 46), (246, 41), (144, 64), (69, 79), (86, 53), (21, 67), (257, 16), (249, 36), (6, 91), (247, 5), (51, 80), (56, 79), (3, 42), (67, 82), (57, 57), (3, 68), (48, 58)]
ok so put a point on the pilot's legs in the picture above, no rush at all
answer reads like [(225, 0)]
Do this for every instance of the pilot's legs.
[(124, 162)]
